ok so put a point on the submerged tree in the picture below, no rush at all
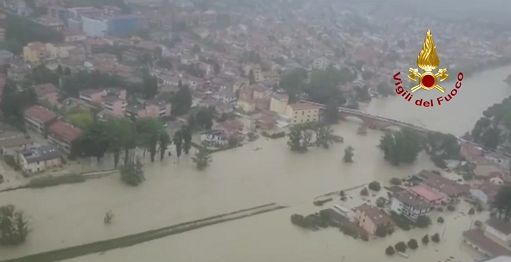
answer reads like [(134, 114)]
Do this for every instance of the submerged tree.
[(13, 226), (325, 136), (425, 239), (109, 216), (164, 143), (202, 158), (132, 173), (435, 238), (187, 139), (390, 251), (412, 244), (178, 141), (502, 203), (295, 141), (400, 147), (348, 154)]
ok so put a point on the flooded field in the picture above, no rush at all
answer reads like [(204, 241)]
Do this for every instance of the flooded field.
[(261, 172), (275, 238)]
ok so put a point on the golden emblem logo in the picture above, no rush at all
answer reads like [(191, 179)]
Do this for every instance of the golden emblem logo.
[(428, 61), (425, 78)]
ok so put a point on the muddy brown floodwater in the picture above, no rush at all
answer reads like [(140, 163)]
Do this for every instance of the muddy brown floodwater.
[(258, 173)]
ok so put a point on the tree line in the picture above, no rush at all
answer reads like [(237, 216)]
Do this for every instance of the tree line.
[(493, 129), (120, 135), (19, 31), (404, 146), (318, 85), (303, 136)]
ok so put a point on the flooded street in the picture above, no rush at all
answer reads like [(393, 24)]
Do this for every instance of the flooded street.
[(261, 172)]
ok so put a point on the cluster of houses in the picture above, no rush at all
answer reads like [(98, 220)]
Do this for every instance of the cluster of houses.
[(33, 157), (419, 197), (114, 103), (364, 219), (424, 192), (271, 120), (60, 134)]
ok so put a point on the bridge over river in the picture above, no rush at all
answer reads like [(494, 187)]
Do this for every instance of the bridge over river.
[(379, 122)]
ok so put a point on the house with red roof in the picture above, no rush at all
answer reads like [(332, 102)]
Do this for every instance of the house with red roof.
[(63, 134), (430, 195), (372, 219), (443, 185), (39, 118), (492, 240)]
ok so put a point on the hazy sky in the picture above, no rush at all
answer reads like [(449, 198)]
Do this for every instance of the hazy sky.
[(494, 11)]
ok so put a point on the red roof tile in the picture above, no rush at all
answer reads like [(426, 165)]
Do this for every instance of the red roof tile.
[(64, 131), (378, 217), (40, 114), (476, 237)]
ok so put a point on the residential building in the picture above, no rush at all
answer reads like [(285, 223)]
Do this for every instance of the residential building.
[(279, 102), (63, 134), (231, 128), (246, 100), (240, 84), (93, 96), (372, 219), (485, 192), (498, 230), (11, 140), (115, 106), (443, 185), (38, 118), (338, 215), (272, 77), (216, 138), (303, 112), (151, 108), (50, 22), (38, 159), (254, 71), (499, 259), (430, 195), (37, 52), (493, 240), (409, 205)]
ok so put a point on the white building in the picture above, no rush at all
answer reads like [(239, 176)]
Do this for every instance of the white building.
[(214, 138), (38, 159), (409, 205)]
